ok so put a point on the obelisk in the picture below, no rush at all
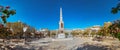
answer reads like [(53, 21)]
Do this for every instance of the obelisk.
[(61, 23), (61, 26)]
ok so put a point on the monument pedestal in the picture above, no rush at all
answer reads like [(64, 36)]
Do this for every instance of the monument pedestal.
[(61, 35)]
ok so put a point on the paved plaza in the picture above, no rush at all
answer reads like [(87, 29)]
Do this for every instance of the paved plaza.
[(70, 44)]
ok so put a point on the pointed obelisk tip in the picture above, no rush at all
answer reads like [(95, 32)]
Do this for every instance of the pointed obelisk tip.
[(60, 11)]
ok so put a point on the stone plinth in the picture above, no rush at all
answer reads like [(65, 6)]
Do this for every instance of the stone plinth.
[(61, 35), (62, 39)]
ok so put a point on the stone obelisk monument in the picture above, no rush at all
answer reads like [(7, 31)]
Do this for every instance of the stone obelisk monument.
[(61, 33)]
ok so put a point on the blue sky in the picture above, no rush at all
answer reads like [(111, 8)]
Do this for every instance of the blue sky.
[(76, 13)]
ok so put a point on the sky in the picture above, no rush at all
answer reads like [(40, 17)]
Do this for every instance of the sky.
[(76, 13)]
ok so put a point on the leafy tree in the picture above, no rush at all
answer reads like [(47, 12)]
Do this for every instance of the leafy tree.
[(118, 35), (6, 12), (53, 33), (76, 32), (116, 9), (49, 33), (17, 29), (5, 32), (29, 31), (104, 32), (87, 31), (115, 29), (66, 34)]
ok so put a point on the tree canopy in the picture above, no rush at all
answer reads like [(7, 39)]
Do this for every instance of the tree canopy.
[(116, 9), (5, 13)]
